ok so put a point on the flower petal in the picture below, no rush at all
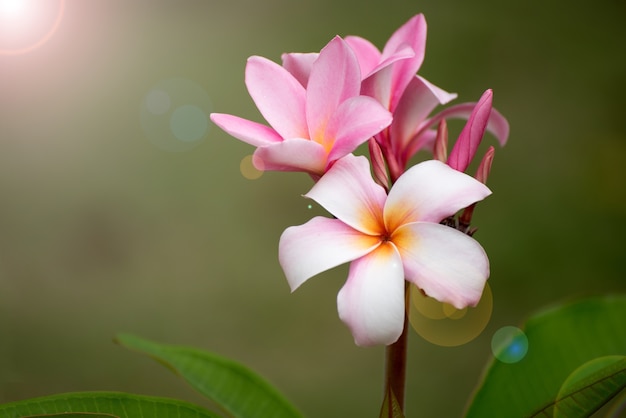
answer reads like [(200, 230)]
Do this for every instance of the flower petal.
[(371, 302), (245, 130), (299, 65), (413, 34), (348, 191), (378, 84), (445, 263), (319, 245), (296, 154), (355, 121), (472, 134), (278, 95), (429, 192), (418, 100), (366, 53), (335, 77)]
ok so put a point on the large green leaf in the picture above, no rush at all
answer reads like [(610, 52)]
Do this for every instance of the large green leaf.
[(560, 341), (588, 388), (242, 393), (102, 405)]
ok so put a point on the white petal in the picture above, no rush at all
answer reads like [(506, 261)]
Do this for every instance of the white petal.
[(371, 302), (319, 245), (430, 191), (348, 192), (447, 264)]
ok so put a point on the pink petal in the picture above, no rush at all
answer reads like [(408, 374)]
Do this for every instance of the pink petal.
[(355, 121), (319, 245), (447, 264), (413, 34), (279, 97), (429, 192), (418, 100), (366, 53), (349, 193), (497, 125), (335, 77), (378, 84), (472, 134), (299, 65), (296, 154), (245, 130), (371, 302)]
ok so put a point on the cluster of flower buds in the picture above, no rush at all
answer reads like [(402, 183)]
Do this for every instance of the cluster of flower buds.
[(389, 221)]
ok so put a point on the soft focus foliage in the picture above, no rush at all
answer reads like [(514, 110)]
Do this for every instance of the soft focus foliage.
[(103, 231), (558, 376)]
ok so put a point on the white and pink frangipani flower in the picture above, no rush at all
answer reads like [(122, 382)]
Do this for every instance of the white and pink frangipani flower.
[(387, 239), (312, 125)]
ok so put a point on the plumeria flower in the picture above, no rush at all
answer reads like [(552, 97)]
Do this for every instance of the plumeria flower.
[(387, 239), (311, 126), (390, 77), (392, 80)]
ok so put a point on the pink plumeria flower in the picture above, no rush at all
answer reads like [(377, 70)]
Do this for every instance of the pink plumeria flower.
[(387, 239), (312, 125), (390, 77)]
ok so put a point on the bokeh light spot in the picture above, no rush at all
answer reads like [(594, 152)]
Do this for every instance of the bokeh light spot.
[(509, 344), (248, 170), (189, 123), (158, 102), (453, 313), (443, 324), (174, 114)]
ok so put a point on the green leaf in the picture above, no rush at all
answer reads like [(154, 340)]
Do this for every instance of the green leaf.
[(74, 415), (242, 393), (102, 405), (391, 408), (588, 388), (560, 341)]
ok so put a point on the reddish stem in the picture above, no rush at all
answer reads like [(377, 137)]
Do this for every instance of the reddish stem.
[(395, 361)]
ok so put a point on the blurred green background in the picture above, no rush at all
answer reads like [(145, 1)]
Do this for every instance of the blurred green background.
[(108, 225)]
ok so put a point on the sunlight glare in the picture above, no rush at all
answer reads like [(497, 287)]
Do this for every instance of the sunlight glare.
[(27, 24), (12, 9)]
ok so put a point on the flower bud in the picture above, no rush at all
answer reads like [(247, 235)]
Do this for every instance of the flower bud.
[(378, 164), (441, 142)]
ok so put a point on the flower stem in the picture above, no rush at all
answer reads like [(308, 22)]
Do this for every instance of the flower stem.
[(395, 361)]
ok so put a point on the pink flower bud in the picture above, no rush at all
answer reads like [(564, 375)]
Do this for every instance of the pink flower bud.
[(441, 142), (485, 166), (378, 164), (465, 148)]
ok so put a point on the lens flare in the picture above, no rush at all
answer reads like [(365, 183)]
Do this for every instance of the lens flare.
[(248, 170), (28, 24), (174, 114), (443, 324), (509, 344)]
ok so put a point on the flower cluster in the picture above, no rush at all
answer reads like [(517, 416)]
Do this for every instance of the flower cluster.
[(390, 222)]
